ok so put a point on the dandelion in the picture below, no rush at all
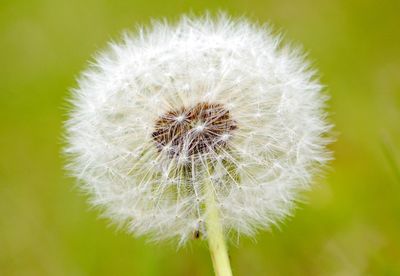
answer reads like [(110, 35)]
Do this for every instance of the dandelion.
[(200, 129)]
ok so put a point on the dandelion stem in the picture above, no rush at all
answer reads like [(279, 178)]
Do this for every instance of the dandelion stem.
[(216, 239)]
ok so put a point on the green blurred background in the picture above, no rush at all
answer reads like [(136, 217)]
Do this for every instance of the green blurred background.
[(351, 222)]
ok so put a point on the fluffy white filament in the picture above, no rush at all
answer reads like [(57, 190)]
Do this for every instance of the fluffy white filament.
[(271, 156)]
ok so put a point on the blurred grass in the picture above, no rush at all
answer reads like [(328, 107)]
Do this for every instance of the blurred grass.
[(351, 223)]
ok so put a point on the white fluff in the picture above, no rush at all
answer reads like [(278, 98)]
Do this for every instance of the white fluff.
[(269, 90)]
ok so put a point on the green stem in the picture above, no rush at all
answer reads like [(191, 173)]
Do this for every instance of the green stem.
[(215, 235)]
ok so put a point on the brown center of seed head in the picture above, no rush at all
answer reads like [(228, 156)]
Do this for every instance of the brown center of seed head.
[(189, 131)]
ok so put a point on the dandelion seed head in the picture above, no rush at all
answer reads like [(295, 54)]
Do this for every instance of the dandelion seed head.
[(155, 110)]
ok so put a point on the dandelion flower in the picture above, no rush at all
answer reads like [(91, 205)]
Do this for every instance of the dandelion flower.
[(210, 118)]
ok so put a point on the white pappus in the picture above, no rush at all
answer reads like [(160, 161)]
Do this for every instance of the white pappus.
[(207, 99)]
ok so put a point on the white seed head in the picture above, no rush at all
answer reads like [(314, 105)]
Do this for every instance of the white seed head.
[(208, 99)]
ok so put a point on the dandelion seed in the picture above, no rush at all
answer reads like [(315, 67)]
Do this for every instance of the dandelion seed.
[(207, 106)]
